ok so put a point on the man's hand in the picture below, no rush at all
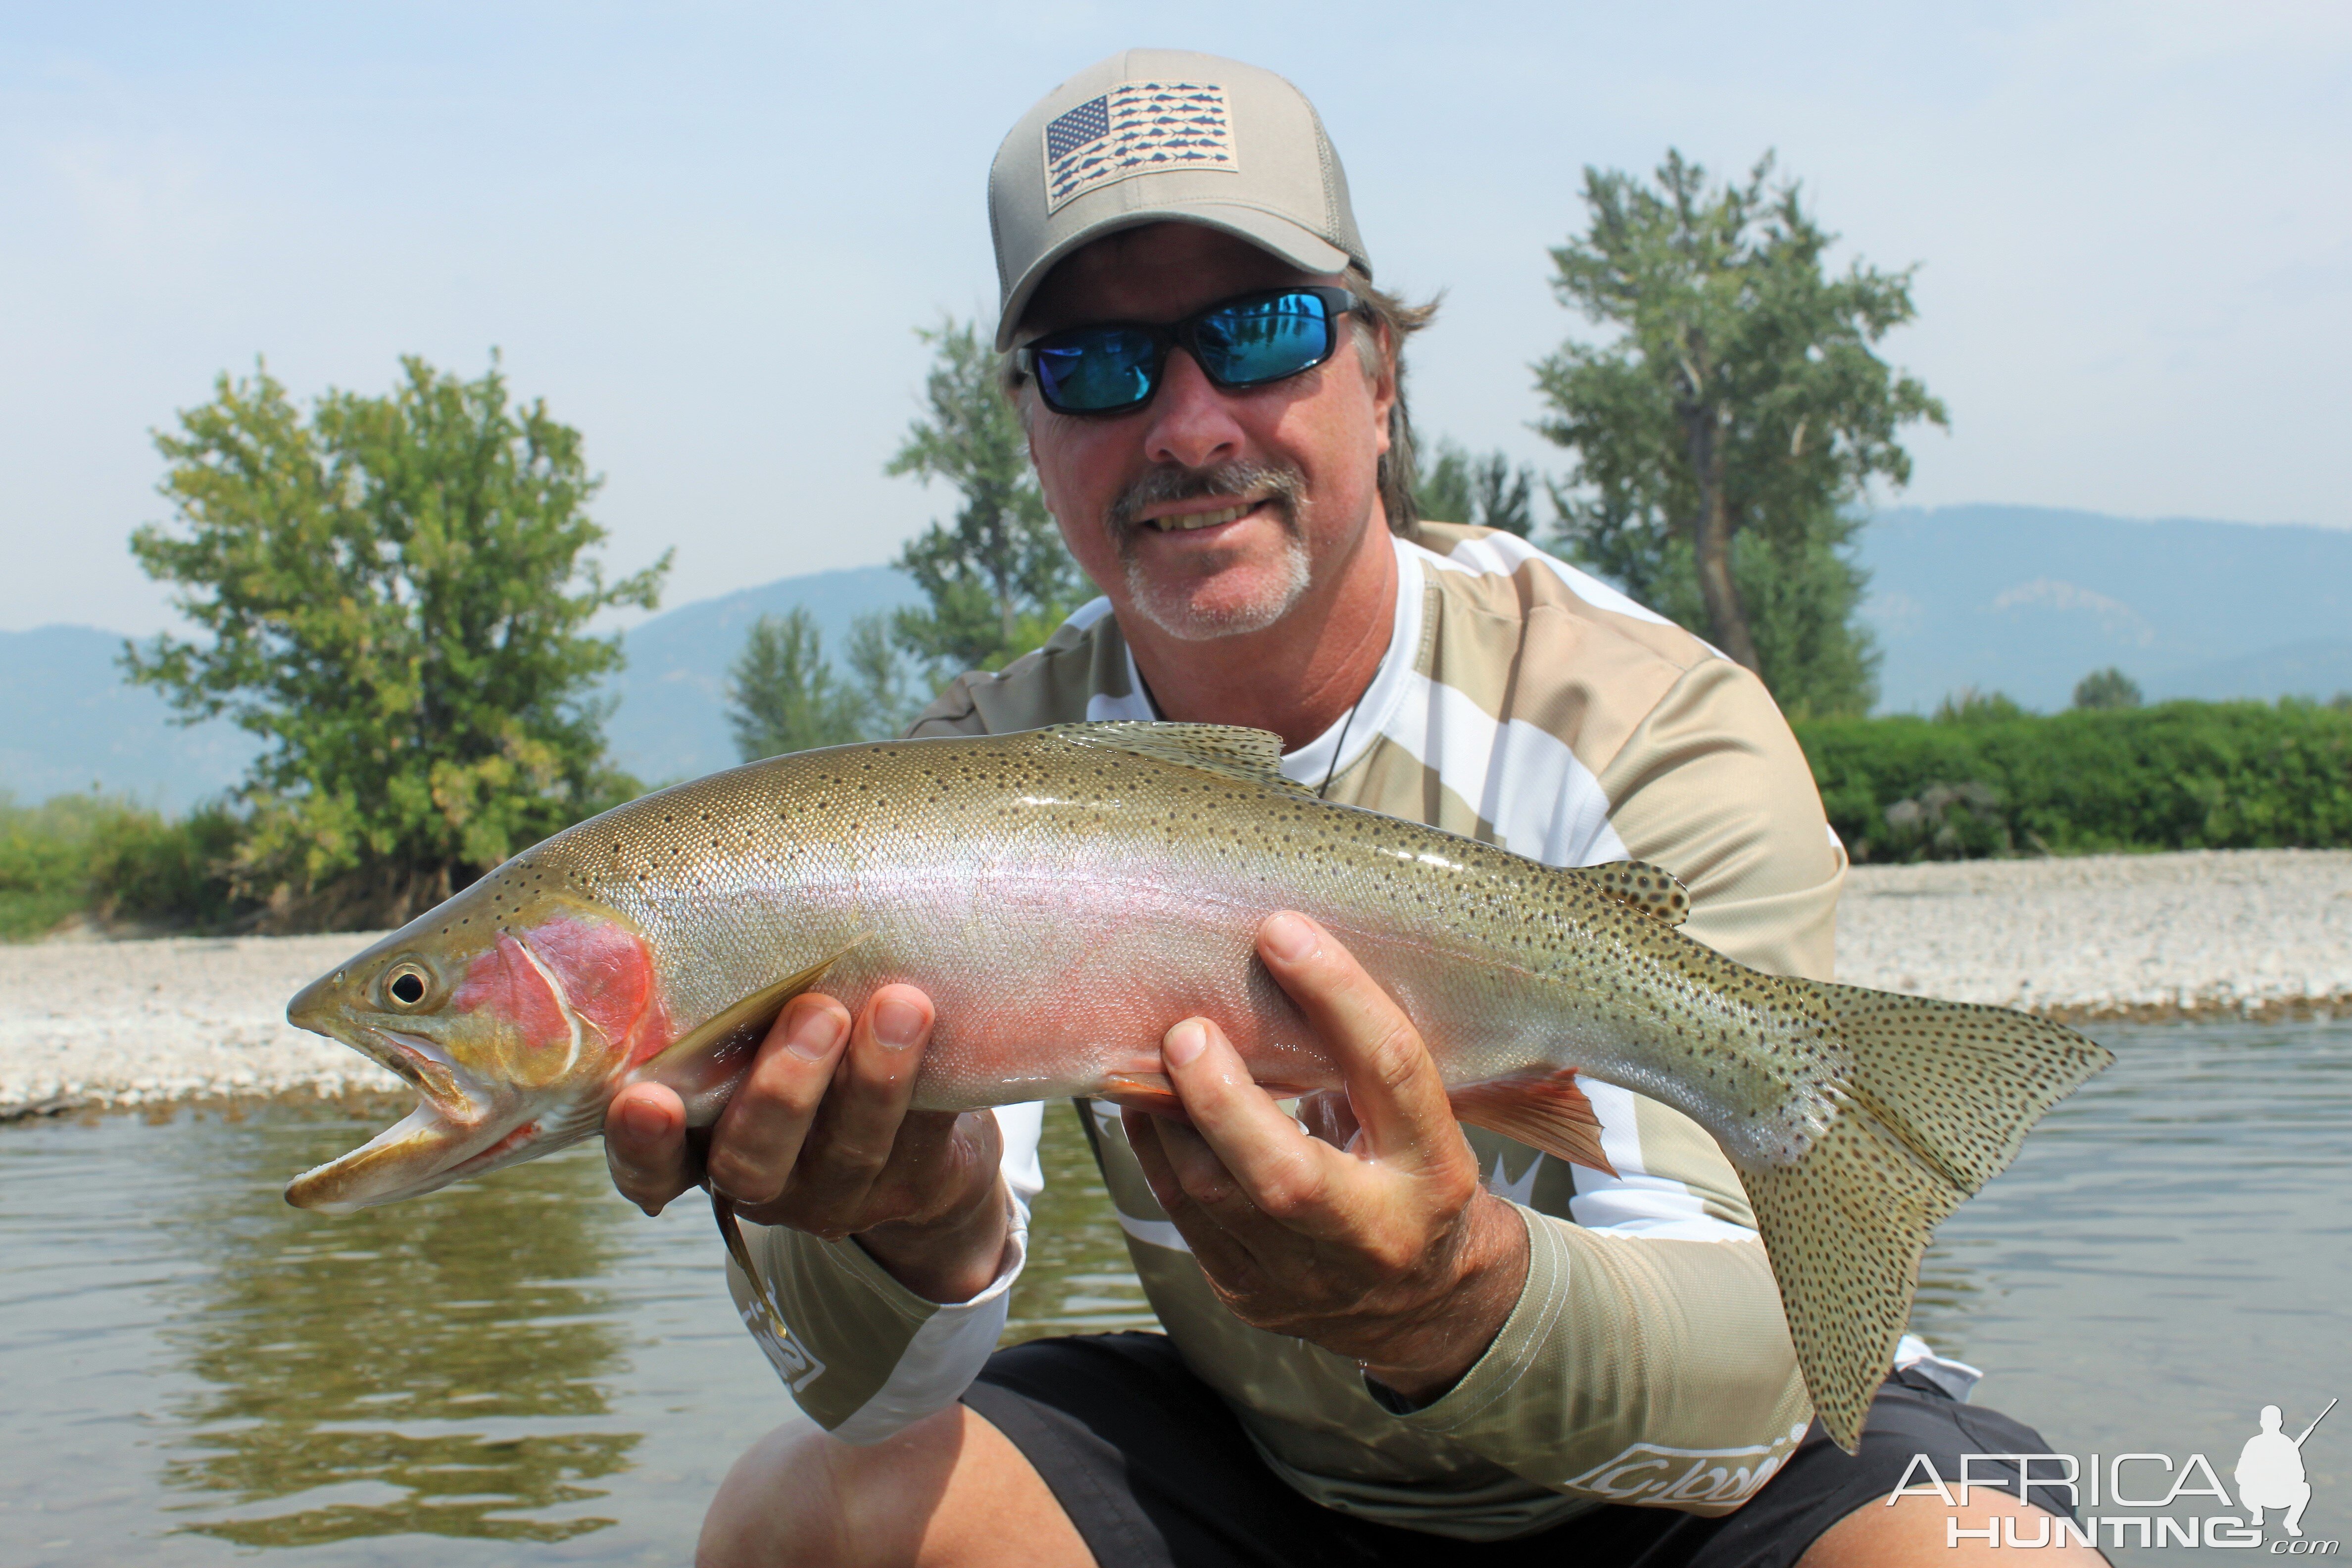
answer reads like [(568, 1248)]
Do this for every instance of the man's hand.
[(1388, 1251), (818, 1137)]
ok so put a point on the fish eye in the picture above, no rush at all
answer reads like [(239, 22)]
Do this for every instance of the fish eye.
[(406, 984)]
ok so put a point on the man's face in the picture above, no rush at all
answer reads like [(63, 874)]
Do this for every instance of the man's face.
[(1207, 512)]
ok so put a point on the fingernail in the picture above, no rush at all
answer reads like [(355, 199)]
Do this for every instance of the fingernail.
[(644, 1120), (1185, 1043), (1291, 938), (815, 1036), (896, 1024)]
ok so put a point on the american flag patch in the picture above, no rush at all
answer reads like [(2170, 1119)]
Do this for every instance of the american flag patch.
[(1136, 127)]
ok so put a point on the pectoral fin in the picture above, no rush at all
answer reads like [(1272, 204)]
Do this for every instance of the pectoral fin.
[(705, 1063)]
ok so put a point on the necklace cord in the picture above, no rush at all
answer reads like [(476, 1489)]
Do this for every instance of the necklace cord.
[(1323, 792)]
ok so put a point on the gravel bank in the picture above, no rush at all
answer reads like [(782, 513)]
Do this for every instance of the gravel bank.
[(137, 1022), (2110, 936)]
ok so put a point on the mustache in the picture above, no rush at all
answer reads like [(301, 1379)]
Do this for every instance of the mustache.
[(1286, 486)]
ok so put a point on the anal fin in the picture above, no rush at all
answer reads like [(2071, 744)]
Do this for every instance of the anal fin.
[(1545, 1110)]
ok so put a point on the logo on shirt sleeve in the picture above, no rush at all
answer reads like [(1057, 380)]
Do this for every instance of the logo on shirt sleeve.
[(1657, 1476)]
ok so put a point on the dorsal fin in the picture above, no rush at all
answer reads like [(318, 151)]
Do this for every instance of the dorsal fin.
[(1253, 756), (1652, 889)]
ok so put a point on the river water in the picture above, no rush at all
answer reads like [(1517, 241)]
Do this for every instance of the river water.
[(526, 1370)]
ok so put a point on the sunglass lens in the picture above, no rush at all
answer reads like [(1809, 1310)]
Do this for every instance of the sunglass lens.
[(1265, 340), (1095, 371)]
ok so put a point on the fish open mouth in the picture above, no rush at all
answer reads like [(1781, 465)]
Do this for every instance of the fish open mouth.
[(459, 1129), (446, 1087)]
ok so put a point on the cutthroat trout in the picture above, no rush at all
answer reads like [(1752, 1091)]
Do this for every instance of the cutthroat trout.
[(1065, 895)]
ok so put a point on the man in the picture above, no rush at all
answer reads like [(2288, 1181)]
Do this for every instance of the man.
[(1395, 1340)]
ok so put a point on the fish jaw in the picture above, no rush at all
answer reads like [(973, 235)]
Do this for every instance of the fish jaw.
[(426, 1149), (463, 1125)]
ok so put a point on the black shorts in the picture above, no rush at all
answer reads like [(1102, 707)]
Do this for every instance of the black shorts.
[(1154, 1470)]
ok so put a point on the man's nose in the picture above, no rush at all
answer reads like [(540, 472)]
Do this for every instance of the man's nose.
[(1192, 424)]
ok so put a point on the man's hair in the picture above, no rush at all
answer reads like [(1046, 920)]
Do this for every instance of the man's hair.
[(1385, 319)]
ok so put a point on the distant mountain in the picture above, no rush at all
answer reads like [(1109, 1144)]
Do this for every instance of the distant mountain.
[(2319, 668), (2028, 600), (68, 720), (2016, 599)]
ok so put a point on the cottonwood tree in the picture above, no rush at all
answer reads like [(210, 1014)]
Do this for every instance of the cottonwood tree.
[(394, 594), (1732, 417), (998, 577)]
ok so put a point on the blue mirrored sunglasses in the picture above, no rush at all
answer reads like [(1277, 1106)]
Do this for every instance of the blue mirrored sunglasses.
[(1247, 340)]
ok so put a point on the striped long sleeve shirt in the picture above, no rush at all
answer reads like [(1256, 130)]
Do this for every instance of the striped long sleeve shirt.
[(1523, 703)]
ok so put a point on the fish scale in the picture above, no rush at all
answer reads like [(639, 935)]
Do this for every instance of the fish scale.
[(1064, 895)]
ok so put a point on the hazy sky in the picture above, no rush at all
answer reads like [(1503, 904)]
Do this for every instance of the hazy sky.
[(703, 233)]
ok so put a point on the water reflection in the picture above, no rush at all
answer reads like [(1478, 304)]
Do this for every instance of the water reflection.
[(1077, 1280), (423, 1367), (197, 1372)]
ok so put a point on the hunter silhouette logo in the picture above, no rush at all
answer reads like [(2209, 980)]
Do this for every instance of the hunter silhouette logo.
[(2270, 1471)]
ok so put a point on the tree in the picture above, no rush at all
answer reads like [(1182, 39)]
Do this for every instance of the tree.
[(1740, 395), (1484, 492), (998, 577), (783, 695), (2108, 688), (396, 591), (1802, 599), (885, 704)]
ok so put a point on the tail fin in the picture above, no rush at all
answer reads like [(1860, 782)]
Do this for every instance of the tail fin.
[(1938, 1098)]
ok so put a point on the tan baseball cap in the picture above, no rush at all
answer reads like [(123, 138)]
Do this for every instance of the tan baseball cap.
[(1156, 135)]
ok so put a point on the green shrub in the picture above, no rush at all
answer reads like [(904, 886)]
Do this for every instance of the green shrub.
[(43, 859), (1984, 777), (116, 862)]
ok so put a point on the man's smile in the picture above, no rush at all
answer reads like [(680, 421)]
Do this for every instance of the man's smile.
[(1192, 522)]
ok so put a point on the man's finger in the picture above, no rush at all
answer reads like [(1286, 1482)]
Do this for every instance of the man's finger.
[(1202, 1175), (1283, 1171), (1393, 1085), (645, 1146), (858, 1123), (759, 1135), (1216, 1248)]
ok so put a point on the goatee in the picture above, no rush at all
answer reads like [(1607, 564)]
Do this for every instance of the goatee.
[(1174, 606)]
